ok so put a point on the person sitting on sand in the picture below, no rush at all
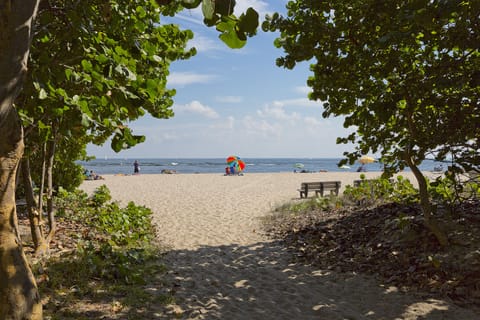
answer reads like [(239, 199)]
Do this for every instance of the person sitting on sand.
[(87, 175), (93, 176)]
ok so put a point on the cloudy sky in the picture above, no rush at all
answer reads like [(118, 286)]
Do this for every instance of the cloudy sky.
[(236, 102)]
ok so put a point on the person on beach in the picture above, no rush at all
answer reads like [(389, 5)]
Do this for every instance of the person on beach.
[(362, 168), (93, 176), (87, 175), (136, 167)]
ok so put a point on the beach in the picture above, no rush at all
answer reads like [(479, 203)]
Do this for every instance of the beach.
[(222, 266)]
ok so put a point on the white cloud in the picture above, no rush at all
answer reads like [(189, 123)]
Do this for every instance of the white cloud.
[(197, 108), (225, 124), (311, 121), (278, 113), (260, 127), (299, 102), (167, 136), (303, 89), (229, 99), (205, 44), (186, 78), (260, 6)]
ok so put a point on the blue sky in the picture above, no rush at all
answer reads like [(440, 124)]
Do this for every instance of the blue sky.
[(236, 102)]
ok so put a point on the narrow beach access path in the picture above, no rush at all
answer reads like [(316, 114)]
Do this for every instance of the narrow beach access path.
[(223, 267)]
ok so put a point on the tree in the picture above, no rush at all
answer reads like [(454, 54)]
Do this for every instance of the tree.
[(19, 298), (112, 70), (404, 73)]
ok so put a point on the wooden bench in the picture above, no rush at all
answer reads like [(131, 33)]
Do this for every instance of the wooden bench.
[(319, 188)]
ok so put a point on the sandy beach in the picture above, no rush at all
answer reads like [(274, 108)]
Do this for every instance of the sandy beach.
[(223, 267)]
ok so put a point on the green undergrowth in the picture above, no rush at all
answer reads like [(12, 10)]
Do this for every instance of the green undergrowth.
[(443, 192), (111, 265), (377, 227)]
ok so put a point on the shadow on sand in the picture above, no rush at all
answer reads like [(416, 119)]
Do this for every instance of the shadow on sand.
[(258, 282)]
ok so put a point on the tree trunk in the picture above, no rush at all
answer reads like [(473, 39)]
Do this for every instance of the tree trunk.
[(42, 179), (34, 212), (50, 210), (19, 298), (426, 205)]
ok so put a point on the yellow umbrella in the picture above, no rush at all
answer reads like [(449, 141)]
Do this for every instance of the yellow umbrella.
[(366, 159)]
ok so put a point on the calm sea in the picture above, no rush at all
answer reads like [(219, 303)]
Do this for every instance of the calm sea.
[(217, 165)]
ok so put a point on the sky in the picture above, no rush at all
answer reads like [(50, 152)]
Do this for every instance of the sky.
[(236, 102)]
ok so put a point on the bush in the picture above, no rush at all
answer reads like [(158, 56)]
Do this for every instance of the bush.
[(130, 226), (114, 258), (382, 190), (101, 196)]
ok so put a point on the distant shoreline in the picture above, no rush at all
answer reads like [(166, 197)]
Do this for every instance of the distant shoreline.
[(218, 165)]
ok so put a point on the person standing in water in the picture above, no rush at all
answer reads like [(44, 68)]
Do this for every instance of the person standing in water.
[(136, 167)]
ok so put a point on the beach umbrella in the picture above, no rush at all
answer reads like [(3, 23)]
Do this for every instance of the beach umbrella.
[(366, 159), (299, 165), (232, 160), (236, 162), (240, 165)]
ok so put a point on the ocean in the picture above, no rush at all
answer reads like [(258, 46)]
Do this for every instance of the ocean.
[(217, 165)]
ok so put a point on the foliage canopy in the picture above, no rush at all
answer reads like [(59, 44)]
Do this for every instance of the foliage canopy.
[(406, 74)]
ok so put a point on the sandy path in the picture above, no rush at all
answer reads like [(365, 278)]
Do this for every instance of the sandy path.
[(224, 268)]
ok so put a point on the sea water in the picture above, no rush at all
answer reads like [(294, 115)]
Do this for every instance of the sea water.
[(217, 165)]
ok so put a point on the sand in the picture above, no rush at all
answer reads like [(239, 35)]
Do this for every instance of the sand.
[(223, 267)]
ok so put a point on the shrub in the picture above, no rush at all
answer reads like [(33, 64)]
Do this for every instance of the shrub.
[(101, 196), (382, 190), (130, 226)]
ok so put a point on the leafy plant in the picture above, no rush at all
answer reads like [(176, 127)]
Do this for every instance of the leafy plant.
[(381, 190), (403, 191), (101, 196), (129, 227), (309, 204), (115, 255)]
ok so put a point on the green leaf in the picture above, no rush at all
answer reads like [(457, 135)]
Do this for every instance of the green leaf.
[(248, 22), (85, 120), (68, 74), (152, 90), (208, 9), (42, 94), (141, 12), (123, 139), (102, 58), (224, 7), (229, 35), (87, 65)]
